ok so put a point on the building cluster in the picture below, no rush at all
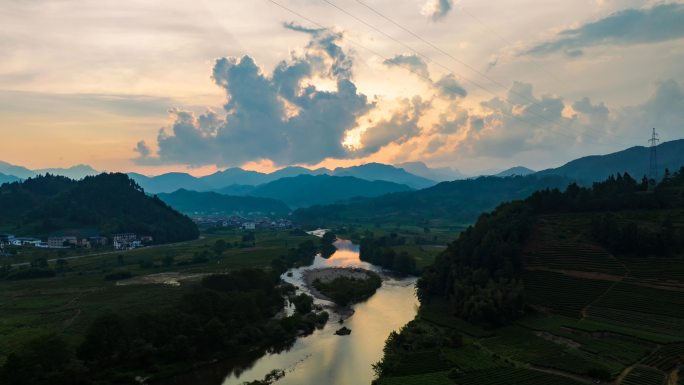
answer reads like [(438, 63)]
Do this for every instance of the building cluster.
[(244, 223), (85, 240), (127, 241)]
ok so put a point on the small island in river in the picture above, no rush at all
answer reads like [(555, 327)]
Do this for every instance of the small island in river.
[(343, 286)]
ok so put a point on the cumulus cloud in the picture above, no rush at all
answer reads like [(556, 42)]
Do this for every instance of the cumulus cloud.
[(437, 9), (659, 23), (277, 116), (399, 128), (447, 86), (450, 88), (411, 62), (142, 149)]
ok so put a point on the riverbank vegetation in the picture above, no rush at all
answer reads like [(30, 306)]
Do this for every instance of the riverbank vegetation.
[(346, 290), (163, 278), (546, 290)]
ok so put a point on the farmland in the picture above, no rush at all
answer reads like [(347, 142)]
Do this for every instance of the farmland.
[(67, 304), (592, 316)]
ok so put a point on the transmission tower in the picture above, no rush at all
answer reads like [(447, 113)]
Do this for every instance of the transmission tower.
[(653, 169)]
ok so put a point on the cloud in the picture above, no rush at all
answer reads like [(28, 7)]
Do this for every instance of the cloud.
[(142, 149), (437, 9), (277, 116), (399, 128), (447, 86), (450, 88), (660, 23), (411, 62)]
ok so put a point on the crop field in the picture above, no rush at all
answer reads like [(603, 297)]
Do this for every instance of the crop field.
[(508, 376), (67, 303), (422, 362), (522, 345), (642, 299), (610, 347), (650, 322), (641, 375), (471, 357), (667, 357), (435, 314), (437, 378), (565, 295), (564, 255), (659, 270)]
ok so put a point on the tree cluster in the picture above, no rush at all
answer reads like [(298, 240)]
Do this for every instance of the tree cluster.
[(225, 316), (479, 273), (379, 251), (111, 203)]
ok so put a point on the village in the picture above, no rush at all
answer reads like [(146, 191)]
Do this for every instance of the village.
[(242, 223), (78, 239)]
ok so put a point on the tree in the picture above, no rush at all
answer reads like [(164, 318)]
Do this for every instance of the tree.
[(219, 247), (61, 264), (303, 303), (168, 260)]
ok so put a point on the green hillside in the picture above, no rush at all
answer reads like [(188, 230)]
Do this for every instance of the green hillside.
[(110, 203), (581, 286), (460, 201), (210, 202)]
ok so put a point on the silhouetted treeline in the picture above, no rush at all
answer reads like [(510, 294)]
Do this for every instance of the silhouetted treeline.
[(227, 315), (379, 251), (302, 255), (479, 273), (110, 203)]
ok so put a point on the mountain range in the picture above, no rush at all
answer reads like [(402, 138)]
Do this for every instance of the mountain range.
[(404, 176), (279, 195), (187, 201), (634, 161), (76, 172)]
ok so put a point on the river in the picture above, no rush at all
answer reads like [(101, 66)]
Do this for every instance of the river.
[(323, 357)]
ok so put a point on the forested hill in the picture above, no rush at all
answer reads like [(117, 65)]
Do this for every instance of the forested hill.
[(493, 271), (633, 161), (210, 202), (110, 203), (459, 201)]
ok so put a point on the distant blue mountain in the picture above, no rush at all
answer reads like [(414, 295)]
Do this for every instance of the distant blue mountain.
[(17, 171), (222, 180), (309, 190), (634, 161), (518, 170), (8, 178), (169, 182), (77, 172), (384, 172), (210, 202), (438, 174)]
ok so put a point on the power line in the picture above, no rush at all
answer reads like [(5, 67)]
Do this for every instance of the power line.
[(449, 70), (427, 78)]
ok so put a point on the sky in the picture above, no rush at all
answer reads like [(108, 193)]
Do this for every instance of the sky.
[(153, 87)]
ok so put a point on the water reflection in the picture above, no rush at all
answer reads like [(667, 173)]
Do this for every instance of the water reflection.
[(325, 358)]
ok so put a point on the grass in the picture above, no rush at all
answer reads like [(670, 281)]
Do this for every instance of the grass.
[(436, 378), (644, 376), (507, 376), (67, 304)]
